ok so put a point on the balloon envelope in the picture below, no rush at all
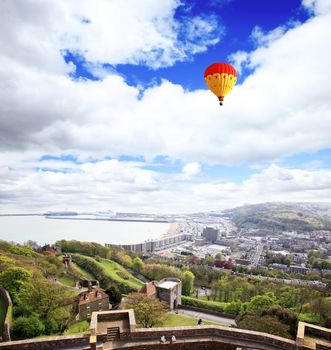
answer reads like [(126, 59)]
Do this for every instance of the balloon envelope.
[(220, 79)]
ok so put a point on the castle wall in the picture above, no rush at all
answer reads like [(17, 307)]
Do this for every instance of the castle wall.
[(65, 342), (4, 295)]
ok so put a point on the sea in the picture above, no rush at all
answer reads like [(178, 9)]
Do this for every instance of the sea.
[(44, 230)]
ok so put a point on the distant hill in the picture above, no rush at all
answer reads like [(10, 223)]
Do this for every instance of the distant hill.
[(282, 216)]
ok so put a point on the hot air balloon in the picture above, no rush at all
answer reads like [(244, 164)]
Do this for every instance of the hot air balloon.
[(220, 79)]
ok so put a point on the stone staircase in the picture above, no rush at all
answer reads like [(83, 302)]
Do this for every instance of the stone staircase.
[(113, 333)]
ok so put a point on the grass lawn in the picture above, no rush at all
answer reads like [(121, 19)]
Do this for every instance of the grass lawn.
[(118, 273), (67, 280), (78, 327), (176, 320)]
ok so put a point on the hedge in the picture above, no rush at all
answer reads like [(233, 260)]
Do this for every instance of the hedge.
[(204, 304)]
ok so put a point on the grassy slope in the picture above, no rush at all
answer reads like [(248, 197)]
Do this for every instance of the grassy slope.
[(118, 273), (67, 280), (82, 272)]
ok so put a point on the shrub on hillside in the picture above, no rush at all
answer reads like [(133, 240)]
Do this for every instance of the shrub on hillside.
[(26, 327), (25, 251)]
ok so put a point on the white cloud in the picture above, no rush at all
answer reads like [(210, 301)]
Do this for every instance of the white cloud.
[(191, 170), (129, 186), (282, 108), (273, 183), (113, 32)]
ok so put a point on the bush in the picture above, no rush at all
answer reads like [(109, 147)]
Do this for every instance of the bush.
[(203, 304), (233, 308), (25, 251), (115, 296), (26, 327)]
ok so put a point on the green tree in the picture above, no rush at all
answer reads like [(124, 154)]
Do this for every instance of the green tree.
[(322, 308), (233, 308), (137, 264), (26, 327), (13, 279), (115, 296), (208, 260), (47, 300), (149, 312), (268, 324), (187, 282), (261, 301)]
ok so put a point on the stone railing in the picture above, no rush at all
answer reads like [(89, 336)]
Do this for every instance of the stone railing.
[(215, 334), (47, 343), (4, 295)]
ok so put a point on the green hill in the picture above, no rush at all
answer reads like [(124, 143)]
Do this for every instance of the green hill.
[(283, 216)]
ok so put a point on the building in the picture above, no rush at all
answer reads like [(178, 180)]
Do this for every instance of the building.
[(95, 299), (199, 242), (298, 269), (211, 234), (154, 245), (168, 290)]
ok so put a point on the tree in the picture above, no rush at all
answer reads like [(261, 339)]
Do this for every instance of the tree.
[(49, 301), (26, 327), (13, 279), (208, 260), (115, 296), (149, 312), (261, 301), (322, 308), (268, 324), (233, 308), (137, 264), (187, 282), (218, 256)]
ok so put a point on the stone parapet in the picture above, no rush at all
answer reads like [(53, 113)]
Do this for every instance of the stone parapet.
[(63, 342)]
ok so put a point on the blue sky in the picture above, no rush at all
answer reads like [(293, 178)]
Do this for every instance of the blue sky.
[(107, 102)]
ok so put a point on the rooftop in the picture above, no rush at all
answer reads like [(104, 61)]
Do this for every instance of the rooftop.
[(167, 284)]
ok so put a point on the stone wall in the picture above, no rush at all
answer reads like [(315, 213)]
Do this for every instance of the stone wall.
[(6, 326), (47, 343), (208, 335)]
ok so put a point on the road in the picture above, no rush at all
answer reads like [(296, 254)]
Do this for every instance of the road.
[(257, 255), (207, 317)]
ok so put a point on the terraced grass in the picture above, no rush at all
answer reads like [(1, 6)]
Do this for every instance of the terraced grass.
[(119, 274), (81, 272)]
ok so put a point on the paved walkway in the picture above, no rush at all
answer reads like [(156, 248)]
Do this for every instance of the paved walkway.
[(207, 317)]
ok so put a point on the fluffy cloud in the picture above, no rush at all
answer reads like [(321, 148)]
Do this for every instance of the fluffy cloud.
[(56, 184), (115, 32), (283, 107), (280, 109), (273, 183)]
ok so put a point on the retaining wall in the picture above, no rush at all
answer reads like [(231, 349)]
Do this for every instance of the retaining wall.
[(65, 342), (6, 324)]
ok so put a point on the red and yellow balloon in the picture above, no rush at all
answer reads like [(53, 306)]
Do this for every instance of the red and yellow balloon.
[(220, 79)]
